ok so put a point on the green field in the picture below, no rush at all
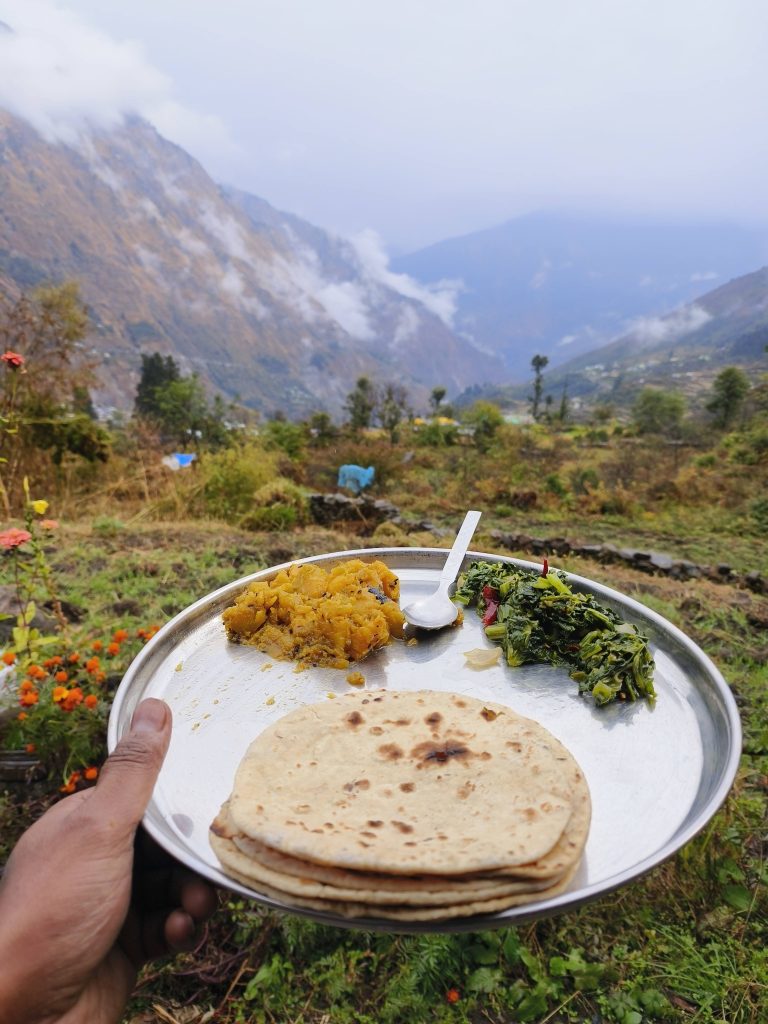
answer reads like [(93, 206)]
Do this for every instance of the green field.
[(135, 544)]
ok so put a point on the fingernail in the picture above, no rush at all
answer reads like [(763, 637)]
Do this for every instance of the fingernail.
[(150, 716)]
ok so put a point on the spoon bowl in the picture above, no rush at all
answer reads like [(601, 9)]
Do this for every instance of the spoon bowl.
[(438, 610)]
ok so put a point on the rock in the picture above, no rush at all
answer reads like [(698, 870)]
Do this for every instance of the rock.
[(756, 583), (9, 605)]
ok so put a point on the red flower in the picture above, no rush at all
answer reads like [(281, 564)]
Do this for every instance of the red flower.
[(452, 995), (12, 359), (91, 701), (14, 538), (90, 773), (120, 635), (9, 657), (113, 649)]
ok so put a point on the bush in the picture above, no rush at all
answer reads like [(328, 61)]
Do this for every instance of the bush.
[(232, 477), (584, 481), (436, 435), (759, 512), (278, 505), (271, 518), (555, 486)]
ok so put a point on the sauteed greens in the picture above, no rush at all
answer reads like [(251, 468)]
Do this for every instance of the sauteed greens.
[(538, 617)]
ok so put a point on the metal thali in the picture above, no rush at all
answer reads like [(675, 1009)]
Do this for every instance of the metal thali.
[(656, 772)]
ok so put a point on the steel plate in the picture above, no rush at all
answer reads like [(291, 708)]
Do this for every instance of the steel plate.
[(657, 773)]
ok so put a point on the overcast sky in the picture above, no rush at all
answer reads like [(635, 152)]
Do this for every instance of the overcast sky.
[(422, 119)]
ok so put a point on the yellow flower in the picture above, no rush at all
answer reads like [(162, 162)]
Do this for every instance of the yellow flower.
[(40, 506)]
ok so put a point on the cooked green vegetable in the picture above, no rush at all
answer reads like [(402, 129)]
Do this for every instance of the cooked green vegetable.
[(540, 618)]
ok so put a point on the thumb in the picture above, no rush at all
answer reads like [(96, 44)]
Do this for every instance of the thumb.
[(130, 772)]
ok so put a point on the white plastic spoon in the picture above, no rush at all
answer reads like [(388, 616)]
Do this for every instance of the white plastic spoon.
[(438, 609)]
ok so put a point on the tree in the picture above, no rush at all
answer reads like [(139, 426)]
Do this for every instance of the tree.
[(157, 372), (360, 404), (485, 418), (729, 390), (392, 409), (537, 363), (322, 432), (562, 413), (436, 399), (658, 412)]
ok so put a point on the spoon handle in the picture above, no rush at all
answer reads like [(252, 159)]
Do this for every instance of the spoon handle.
[(459, 549)]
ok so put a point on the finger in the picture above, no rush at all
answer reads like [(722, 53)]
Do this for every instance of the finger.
[(129, 774), (198, 898), (167, 931), (181, 932)]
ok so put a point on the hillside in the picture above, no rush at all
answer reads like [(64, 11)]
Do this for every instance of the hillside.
[(561, 286), (683, 350), (263, 305)]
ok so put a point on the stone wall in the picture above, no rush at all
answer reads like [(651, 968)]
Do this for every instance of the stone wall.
[(329, 509)]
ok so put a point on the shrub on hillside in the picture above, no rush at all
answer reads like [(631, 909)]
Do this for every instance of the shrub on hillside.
[(278, 505), (232, 477)]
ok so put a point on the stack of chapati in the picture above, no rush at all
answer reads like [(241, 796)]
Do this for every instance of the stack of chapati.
[(412, 806)]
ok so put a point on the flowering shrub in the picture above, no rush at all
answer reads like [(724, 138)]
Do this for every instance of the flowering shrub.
[(63, 706), (24, 561)]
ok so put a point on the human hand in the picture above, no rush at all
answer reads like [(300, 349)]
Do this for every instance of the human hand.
[(83, 905)]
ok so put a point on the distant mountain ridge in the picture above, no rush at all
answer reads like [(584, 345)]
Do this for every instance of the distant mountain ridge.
[(682, 351), (264, 305), (561, 285)]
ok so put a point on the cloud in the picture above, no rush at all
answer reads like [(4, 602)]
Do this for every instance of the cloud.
[(541, 276), (704, 275), (439, 298), (652, 330), (67, 78)]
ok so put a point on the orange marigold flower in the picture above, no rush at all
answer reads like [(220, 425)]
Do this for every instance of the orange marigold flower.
[(100, 677), (22, 716), (73, 658), (30, 748), (91, 773), (92, 665), (9, 657), (29, 698), (59, 694), (36, 672), (61, 676), (113, 649), (69, 787), (91, 701), (14, 538), (50, 663), (49, 524), (453, 995), (97, 645), (26, 685), (120, 635), (73, 698)]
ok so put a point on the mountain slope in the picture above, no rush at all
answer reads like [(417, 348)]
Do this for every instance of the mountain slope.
[(682, 351), (263, 305), (560, 286)]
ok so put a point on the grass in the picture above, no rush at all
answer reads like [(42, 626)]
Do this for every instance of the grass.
[(686, 943)]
